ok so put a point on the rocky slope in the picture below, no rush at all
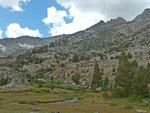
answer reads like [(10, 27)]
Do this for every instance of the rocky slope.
[(55, 57), (23, 44)]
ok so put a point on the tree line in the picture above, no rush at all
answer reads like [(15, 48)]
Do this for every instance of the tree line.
[(130, 78)]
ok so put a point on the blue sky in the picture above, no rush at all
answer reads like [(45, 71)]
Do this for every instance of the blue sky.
[(31, 17), (46, 18)]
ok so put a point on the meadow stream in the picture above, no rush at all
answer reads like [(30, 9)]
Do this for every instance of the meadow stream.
[(65, 101)]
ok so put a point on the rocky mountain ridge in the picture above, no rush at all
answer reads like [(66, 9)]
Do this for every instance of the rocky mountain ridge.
[(23, 44), (60, 56)]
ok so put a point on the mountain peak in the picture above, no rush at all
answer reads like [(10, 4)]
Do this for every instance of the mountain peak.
[(147, 10), (101, 22), (118, 20), (98, 25), (112, 22), (145, 16)]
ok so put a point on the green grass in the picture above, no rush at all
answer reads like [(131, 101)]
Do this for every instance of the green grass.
[(56, 85), (36, 90), (26, 100), (114, 104)]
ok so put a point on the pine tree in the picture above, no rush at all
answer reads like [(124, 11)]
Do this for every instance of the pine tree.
[(124, 76), (97, 79), (140, 83), (106, 81), (76, 78)]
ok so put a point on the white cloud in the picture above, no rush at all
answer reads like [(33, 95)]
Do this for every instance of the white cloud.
[(54, 16), (80, 21), (127, 9), (88, 12), (15, 5), (1, 32), (14, 30)]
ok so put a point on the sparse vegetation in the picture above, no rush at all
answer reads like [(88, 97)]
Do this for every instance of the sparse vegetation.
[(4, 81)]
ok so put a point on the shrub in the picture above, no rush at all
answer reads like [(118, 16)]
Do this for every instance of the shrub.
[(76, 77), (129, 55), (75, 58), (106, 95), (134, 98), (4, 81)]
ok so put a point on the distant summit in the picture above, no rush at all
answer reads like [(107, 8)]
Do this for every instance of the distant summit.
[(117, 21), (145, 16), (112, 22), (147, 10)]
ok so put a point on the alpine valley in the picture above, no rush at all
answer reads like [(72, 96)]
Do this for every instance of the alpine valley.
[(66, 62)]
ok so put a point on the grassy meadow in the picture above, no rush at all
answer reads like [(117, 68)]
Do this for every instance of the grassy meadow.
[(38, 100)]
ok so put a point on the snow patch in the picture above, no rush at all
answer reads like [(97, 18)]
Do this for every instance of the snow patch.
[(26, 46), (2, 48)]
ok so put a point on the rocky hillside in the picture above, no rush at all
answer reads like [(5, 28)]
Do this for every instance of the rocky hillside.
[(61, 56), (13, 47)]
